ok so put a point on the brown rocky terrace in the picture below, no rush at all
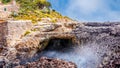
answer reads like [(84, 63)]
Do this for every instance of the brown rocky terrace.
[(22, 40)]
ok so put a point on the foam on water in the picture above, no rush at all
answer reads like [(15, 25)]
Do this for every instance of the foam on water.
[(85, 56)]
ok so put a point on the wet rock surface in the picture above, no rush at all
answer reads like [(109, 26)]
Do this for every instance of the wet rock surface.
[(45, 62), (106, 37)]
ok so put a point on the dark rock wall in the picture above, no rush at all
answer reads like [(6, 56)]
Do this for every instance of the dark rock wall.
[(106, 36)]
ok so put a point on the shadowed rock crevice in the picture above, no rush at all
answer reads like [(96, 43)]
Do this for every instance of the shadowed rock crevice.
[(58, 44)]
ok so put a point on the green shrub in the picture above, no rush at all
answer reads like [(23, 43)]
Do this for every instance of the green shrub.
[(5, 1), (27, 32), (35, 10)]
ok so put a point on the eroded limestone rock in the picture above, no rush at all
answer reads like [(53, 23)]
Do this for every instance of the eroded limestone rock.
[(16, 30), (45, 62), (19, 46), (41, 34)]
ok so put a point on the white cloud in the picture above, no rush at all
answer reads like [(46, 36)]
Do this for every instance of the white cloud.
[(92, 10), (85, 6)]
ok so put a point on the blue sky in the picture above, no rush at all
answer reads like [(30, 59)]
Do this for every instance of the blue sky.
[(88, 10)]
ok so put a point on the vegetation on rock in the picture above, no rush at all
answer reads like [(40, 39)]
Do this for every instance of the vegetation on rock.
[(35, 10), (5, 1)]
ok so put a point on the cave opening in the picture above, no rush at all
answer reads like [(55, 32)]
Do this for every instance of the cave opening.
[(58, 44), (53, 49), (66, 49)]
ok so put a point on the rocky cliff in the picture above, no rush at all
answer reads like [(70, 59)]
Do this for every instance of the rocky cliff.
[(24, 39), (106, 37)]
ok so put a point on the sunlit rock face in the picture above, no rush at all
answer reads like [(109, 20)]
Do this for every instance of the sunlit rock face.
[(12, 31), (16, 30)]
